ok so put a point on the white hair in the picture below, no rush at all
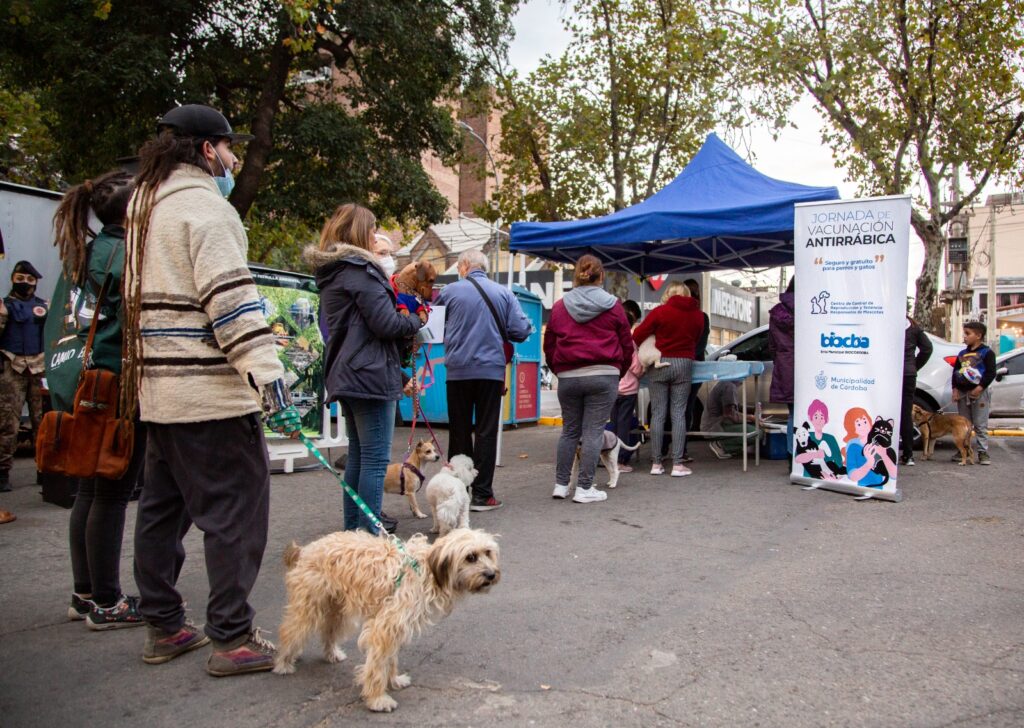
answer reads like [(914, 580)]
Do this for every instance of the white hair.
[(473, 259)]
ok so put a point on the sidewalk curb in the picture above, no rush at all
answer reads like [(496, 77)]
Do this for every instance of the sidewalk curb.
[(550, 421)]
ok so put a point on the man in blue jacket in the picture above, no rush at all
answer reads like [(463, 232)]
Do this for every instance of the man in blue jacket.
[(480, 316)]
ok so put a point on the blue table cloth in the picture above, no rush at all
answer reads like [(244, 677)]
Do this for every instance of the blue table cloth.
[(713, 371)]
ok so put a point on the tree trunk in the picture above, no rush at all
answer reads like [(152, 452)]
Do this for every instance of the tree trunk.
[(617, 284), (927, 286), (248, 182)]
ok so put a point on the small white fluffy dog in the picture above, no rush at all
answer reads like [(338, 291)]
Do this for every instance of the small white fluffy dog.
[(348, 579), (448, 494), (650, 355), (610, 446)]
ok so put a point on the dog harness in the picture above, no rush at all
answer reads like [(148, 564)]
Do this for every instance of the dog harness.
[(401, 476)]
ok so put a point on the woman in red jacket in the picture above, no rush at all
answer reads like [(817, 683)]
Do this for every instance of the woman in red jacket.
[(588, 346), (676, 325)]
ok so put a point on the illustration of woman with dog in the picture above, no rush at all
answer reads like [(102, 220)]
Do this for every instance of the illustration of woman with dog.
[(824, 445), (861, 455), (362, 366)]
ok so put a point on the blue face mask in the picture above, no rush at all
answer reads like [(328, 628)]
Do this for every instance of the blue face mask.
[(226, 182)]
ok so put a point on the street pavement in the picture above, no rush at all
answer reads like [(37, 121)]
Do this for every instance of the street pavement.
[(721, 599)]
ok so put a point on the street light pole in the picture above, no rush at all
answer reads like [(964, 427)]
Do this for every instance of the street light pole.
[(991, 315), (496, 225)]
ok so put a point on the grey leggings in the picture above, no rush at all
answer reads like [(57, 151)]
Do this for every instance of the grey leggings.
[(586, 404), (667, 385)]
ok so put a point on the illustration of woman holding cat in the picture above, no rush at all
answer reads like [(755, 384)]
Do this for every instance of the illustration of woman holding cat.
[(862, 456)]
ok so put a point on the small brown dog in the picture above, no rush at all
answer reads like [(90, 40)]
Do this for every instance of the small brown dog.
[(934, 425), (351, 578), (406, 478), (417, 279)]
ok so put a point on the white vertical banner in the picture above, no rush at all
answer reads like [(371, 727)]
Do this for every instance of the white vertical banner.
[(851, 305)]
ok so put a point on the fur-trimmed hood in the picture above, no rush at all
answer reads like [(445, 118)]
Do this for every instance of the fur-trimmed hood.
[(317, 258)]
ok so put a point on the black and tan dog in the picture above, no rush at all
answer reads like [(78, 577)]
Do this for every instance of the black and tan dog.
[(934, 425)]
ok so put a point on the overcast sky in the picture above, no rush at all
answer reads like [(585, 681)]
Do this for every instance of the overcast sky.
[(797, 156)]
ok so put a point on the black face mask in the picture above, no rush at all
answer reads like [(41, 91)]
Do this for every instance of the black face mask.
[(22, 289)]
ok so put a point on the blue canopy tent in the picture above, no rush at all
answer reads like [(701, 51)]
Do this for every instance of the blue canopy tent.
[(718, 214)]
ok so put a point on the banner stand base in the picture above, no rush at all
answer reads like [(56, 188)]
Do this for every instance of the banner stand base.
[(865, 493)]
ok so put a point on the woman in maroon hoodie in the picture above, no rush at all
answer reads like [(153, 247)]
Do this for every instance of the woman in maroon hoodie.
[(676, 325), (588, 346)]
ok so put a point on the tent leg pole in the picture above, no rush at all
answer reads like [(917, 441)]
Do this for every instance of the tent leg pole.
[(501, 411)]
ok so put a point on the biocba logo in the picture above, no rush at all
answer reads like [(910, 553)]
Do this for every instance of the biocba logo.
[(834, 341)]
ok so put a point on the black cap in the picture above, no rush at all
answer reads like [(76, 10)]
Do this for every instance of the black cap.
[(201, 121), (23, 266)]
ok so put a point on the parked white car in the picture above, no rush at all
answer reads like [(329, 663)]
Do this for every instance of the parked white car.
[(1008, 388)]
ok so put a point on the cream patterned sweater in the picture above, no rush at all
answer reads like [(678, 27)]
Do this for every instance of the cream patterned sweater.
[(205, 340)]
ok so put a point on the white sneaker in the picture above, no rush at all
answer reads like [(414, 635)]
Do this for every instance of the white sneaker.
[(561, 491), (589, 495), (719, 451), (657, 469), (679, 471)]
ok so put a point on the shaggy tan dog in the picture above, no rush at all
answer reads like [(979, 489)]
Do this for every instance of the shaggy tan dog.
[(348, 579)]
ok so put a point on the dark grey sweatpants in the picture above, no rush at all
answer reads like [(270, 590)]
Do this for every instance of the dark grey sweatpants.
[(586, 404), (215, 474)]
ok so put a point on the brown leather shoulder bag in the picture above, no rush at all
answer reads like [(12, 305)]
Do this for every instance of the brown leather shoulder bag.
[(92, 440)]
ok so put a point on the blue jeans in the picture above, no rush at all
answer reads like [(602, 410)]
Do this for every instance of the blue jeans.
[(370, 425)]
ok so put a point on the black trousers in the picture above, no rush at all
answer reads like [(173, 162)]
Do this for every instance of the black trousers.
[(474, 411), (623, 411), (97, 528), (215, 474), (906, 416)]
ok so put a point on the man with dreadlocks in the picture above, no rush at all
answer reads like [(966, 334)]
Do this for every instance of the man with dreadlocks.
[(202, 364), (22, 315)]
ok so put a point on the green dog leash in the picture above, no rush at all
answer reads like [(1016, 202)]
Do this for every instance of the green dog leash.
[(409, 560)]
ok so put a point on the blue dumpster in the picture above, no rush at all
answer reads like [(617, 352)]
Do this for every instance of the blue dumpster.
[(522, 376)]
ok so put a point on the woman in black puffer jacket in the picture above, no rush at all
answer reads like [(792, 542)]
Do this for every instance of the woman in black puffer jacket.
[(361, 360)]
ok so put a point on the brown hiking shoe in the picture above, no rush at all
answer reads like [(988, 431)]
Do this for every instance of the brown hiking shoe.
[(164, 646), (248, 653)]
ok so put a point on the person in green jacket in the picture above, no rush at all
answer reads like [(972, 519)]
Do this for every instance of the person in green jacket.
[(97, 518)]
